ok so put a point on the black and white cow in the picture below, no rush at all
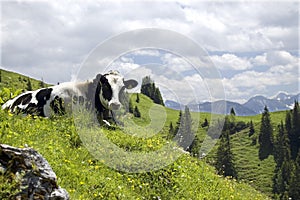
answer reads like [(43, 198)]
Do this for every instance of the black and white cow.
[(103, 94)]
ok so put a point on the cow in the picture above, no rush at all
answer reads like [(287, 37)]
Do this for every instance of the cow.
[(102, 94)]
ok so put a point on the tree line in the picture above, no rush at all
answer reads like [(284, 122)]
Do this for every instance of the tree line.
[(149, 89)]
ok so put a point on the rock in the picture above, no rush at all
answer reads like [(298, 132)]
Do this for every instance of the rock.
[(38, 181)]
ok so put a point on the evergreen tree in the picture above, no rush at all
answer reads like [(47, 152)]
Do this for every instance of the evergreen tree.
[(195, 147), (136, 112), (172, 132), (232, 112), (157, 98), (0, 76), (251, 129), (295, 131), (28, 86), (149, 89), (146, 86), (284, 167), (130, 106), (294, 190), (205, 123), (137, 98), (265, 138), (178, 123), (183, 130), (225, 159)]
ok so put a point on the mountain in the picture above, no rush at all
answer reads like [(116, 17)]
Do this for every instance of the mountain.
[(258, 103), (222, 105), (253, 106), (174, 105)]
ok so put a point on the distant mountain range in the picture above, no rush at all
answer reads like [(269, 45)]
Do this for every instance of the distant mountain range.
[(253, 106)]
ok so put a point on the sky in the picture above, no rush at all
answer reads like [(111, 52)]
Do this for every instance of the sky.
[(252, 47)]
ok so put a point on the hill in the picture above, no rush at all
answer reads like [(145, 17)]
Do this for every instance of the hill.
[(86, 177), (250, 169), (16, 81)]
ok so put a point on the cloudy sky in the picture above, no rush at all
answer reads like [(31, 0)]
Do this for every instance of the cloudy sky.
[(253, 45)]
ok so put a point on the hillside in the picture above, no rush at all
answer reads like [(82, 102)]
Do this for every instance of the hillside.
[(16, 81), (250, 169), (86, 177)]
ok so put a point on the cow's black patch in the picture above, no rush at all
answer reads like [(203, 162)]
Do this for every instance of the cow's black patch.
[(106, 88), (22, 100), (57, 105), (42, 97)]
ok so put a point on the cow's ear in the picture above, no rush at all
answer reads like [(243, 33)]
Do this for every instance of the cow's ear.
[(103, 79), (129, 84), (97, 79)]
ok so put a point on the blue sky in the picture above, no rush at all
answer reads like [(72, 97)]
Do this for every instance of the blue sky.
[(254, 45)]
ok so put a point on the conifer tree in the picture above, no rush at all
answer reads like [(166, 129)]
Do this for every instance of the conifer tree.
[(28, 86), (130, 106), (265, 138), (171, 131), (294, 190), (205, 123), (284, 167), (149, 89), (225, 159), (295, 131), (136, 112), (251, 129), (137, 98), (183, 130)]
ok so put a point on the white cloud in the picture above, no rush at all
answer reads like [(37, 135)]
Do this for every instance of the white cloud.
[(42, 38), (231, 61)]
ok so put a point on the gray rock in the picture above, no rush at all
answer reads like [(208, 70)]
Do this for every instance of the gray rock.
[(38, 181)]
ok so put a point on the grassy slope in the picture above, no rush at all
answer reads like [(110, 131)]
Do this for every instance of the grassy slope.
[(85, 177), (255, 172), (16, 81)]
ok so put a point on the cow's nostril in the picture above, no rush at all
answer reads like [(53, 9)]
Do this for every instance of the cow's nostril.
[(115, 106)]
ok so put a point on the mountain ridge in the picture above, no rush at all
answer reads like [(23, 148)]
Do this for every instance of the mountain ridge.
[(255, 105)]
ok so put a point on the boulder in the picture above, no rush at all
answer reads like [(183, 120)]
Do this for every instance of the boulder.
[(37, 179)]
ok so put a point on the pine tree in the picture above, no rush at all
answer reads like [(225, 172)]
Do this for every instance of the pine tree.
[(149, 89), (232, 112), (130, 106), (137, 98), (171, 131), (195, 147), (294, 190), (183, 130), (295, 131), (28, 86), (251, 129), (265, 138), (178, 123), (225, 159), (284, 167), (188, 135), (157, 98), (136, 112), (205, 123)]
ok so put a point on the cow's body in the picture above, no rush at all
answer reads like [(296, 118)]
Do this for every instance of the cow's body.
[(102, 94)]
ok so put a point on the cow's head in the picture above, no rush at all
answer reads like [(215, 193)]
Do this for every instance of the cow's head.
[(112, 85)]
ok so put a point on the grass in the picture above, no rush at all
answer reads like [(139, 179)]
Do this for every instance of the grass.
[(258, 173), (15, 81), (85, 177), (84, 158)]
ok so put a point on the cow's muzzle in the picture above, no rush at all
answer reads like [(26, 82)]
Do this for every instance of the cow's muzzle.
[(114, 106)]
